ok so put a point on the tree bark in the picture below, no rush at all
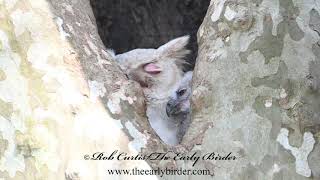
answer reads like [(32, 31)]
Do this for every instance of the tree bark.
[(257, 80), (62, 96)]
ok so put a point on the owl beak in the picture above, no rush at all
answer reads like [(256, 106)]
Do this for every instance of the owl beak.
[(171, 107)]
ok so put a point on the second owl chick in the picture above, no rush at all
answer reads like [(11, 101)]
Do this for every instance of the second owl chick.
[(178, 106)]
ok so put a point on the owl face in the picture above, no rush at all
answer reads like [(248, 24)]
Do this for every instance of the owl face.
[(155, 67)]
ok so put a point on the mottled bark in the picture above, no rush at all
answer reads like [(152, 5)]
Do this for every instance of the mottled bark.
[(257, 81), (62, 96)]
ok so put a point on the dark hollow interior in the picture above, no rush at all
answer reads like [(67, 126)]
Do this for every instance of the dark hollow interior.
[(124, 25)]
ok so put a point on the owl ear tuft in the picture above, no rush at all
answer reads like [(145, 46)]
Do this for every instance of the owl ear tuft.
[(175, 48)]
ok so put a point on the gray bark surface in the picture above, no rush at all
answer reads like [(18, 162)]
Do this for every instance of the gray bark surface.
[(62, 96), (257, 81)]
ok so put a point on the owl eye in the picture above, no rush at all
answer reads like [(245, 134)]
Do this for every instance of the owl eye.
[(181, 92), (152, 68)]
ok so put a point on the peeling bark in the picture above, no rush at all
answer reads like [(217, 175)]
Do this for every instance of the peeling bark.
[(62, 96), (258, 76)]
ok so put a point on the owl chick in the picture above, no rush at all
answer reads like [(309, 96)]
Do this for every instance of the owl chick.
[(178, 106), (157, 71)]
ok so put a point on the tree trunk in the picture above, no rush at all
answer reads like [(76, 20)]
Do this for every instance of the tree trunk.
[(257, 80), (62, 97), (256, 94)]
